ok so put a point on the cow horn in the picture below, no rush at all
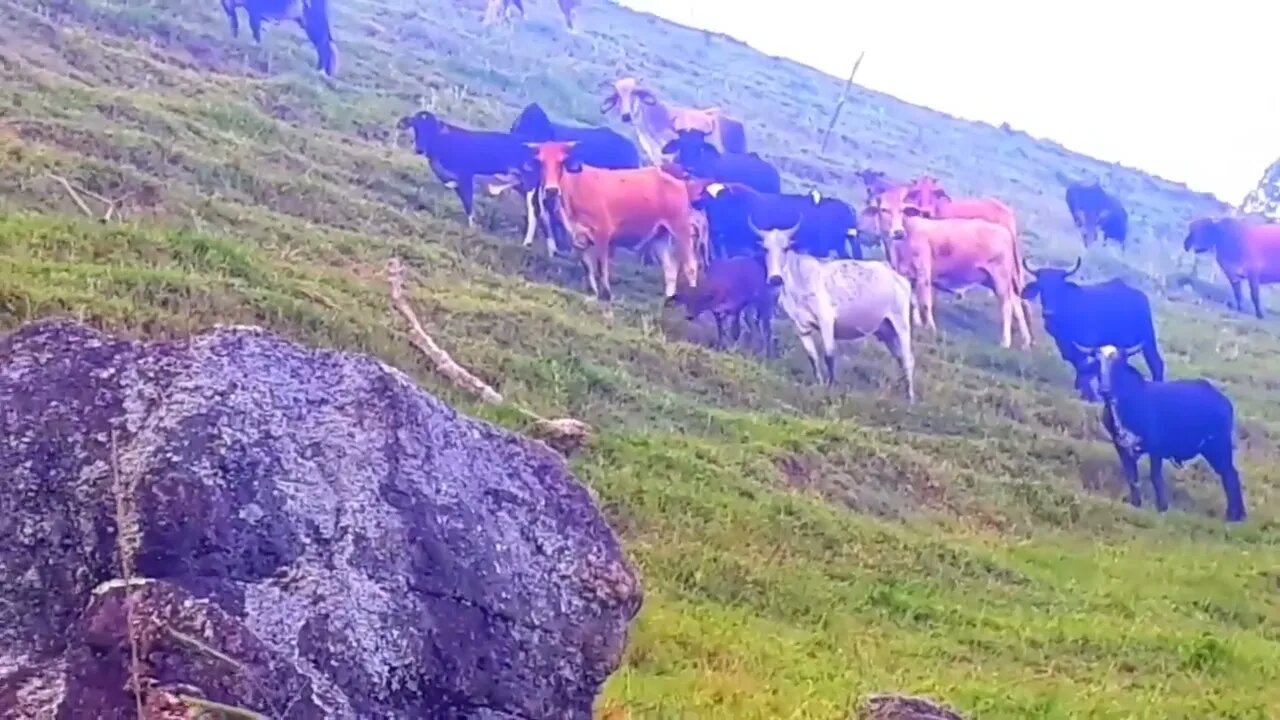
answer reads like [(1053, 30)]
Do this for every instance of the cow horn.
[(751, 224), (1075, 268), (1130, 352), (1027, 267), (1083, 348)]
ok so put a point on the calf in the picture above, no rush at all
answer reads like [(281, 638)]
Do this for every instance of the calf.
[(829, 225), (701, 159), (1090, 316), (1175, 420), (657, 123), (1093, 209), (1246, 252), (953, 255), (311, 15), (458, 155), (840, 300), (726, 289), (602, 209), (599, 147)]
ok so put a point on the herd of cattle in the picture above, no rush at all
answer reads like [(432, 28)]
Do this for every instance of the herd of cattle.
[(729, 240)]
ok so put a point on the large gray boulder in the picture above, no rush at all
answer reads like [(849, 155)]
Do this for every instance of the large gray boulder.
[(298, 532)]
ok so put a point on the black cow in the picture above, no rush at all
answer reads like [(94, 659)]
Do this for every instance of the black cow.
[(311, 15), (457, 155), (1175, 420), (735, 212), (600, 147), (1093, 209), (701, 159), (1090, 316)]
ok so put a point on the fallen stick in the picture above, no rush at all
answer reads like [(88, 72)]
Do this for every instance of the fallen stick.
[(844, 94), (565, 434)]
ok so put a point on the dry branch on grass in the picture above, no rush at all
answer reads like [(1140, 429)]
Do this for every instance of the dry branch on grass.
[(564, 434), (78, 194)]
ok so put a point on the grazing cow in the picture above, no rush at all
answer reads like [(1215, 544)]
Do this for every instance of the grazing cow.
[(1093, 209), (701, 159), (1090, 316), (840, 300), (1246, 252), (726, 289), (1174, 420), (498, 9), (599, 147), (829, 225), (952, 254), (657, 123), (311, 15), (602, 209), (458, 155)]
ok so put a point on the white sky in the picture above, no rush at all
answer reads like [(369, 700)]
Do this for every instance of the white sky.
[(1188, 91)]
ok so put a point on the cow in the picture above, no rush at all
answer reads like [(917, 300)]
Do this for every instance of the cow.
[(311, 15), (876, 182), (829, 227), (701, 159), (1174, 420), (1090, 316), (657, 123), (1245, 251), (840, 300), (599, 147), (459, 155), (727, 288), (498, 9), (1093, 209), (604, 209), (952, 254)]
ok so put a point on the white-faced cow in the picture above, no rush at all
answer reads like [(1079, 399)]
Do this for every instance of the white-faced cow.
[(311, 15), (840, 300), (657, 123)]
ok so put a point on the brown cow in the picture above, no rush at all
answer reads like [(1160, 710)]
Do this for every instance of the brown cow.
[(1245, 251), (926, 194), (657, 123), (952, 254), (602, 209)]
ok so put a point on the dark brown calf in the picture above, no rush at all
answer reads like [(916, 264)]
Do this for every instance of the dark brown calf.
[(729, 287)]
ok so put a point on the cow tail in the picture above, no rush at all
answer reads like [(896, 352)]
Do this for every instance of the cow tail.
[(1018, 280)]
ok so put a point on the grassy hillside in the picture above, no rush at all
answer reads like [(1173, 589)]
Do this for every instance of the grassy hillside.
[(800, 546)]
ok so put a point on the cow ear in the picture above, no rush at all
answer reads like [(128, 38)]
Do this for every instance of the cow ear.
[(609, 102), (941, 194), (670, 148), (1031, 291), (573, 165), (911, 212)]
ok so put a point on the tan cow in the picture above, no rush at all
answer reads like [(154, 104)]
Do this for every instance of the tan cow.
[(926, 194), (604, 209), (1246, 252), (498, 9), (657, 123), (951, 254)]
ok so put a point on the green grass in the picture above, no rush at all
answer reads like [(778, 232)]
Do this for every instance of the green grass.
[(800, 546)]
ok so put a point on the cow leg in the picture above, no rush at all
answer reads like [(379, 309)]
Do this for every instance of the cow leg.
[(466, 190), (829, 348), (1235, 290), (719, 318), (1020, 316), (898, 341), (1084, 385), (1129, 463), (603, 260), (1155, 363), (811, 347), (531, 218), (925, 300), (1157, 483), (232, 17), (589, 262), (735, 327), (764, 320), (1254, 296), (255, 25), (670, 269), (1217, 453), (1006, 322)]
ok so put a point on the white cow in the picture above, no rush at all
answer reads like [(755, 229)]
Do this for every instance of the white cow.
[(841, 300), (657, 123)]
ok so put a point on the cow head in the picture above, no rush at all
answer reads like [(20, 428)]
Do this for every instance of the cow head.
[(1051, 284), (552, 160), (691, 150), (776, 244), (887, 213), (926, 194), (1205, 234), (627, 95), (1112, 367), (426, 129)]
